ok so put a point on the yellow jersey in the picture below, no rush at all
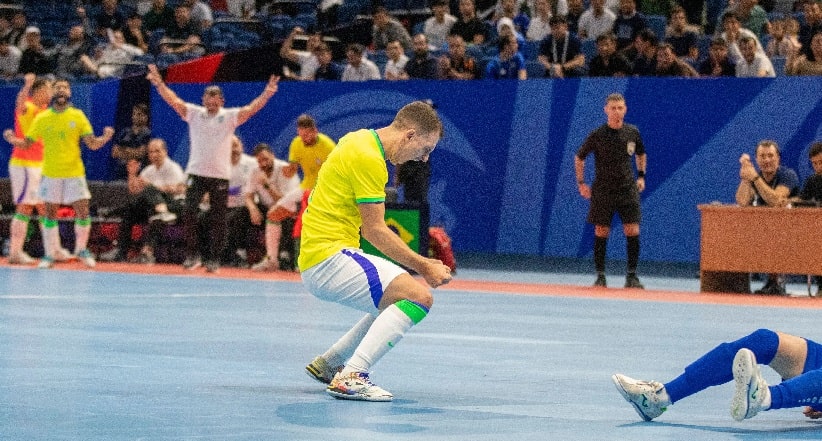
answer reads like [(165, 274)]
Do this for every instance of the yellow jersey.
[(33, 155), (310, 158), (61, 133)]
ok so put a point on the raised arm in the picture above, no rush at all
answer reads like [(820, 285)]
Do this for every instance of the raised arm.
[(254, 106), (97, 142), (23, 94), (165, 92)]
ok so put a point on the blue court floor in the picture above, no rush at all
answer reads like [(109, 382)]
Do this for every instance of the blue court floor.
[(92, 355)]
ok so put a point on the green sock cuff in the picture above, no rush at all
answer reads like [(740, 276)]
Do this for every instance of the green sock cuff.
[(22, 217), (271, 222), (414, 311), (49, 223), (83, 222)]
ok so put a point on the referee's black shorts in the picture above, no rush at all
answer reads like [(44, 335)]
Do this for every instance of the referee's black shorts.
[(605, 204)]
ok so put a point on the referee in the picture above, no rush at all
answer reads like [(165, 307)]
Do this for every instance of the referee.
[(615, 190)]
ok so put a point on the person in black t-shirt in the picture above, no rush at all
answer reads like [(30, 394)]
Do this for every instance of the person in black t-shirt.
[(615, 190)]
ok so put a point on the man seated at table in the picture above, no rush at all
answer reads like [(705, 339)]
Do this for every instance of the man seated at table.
[(812, 188), (771, 186)]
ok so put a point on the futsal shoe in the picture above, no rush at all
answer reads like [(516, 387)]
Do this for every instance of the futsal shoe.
[(63, 255), (192, 263), (46, 262), (267, 264), (356, 386), (600, 281), (632, 281), (87, 258), (212, 266), (752, 394), (320, 370), (649, 398)]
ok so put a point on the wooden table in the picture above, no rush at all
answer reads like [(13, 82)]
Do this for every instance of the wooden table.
[(736, 241)]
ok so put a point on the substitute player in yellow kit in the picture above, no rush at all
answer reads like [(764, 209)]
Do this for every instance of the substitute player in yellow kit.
[(349, 198)]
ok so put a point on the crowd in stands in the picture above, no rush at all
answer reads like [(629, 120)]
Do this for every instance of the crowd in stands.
[(95, 39)]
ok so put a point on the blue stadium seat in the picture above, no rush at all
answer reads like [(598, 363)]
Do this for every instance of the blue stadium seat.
[(535, 69), (589, 48), (657, 23), (779, 65)]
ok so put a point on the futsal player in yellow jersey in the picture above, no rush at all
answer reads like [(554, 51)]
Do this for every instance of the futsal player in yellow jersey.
[(25, 166), (61, 127), (349, 199), (308, 150)]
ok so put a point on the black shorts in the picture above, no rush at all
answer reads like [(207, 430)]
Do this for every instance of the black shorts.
[(605, 204)]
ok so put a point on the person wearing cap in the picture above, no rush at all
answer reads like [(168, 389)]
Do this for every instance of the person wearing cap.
[(35, 59)]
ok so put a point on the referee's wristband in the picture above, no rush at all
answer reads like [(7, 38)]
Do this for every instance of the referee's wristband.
[(640, 174)]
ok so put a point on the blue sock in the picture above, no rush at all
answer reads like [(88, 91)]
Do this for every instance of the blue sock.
[(803, 390), (714, 368)]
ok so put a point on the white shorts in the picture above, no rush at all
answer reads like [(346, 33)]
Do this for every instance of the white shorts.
[(64, 190), (352, 278), (25, 183)]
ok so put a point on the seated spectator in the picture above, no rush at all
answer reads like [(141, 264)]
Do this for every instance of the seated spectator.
[(508, 9), (239, 238), (812, 188), (773, 185), (134, 33), (753, 64), (802, 64), (111, 59), (669, 65), (733, 33), (359, 68), (628, 24), (575, 10), (9, 59), (506, 27), (160, 16), (270, 191), (182, 37), (751, 16), (201, 14), (645, 46), (109, 18), (131, 144), (595, 21), (438, 26), (422, 65), (307, 60), (34, 58), (540, 26), (17, 33), (561, 53), (608, 62), (158, 192), (472, 30), (780, 43), (240, 8), (813, 24), (68, 54), (683, 37), (387, 28), (328, 69), (509, 63), (718, 63), (5, 28), (397, 60), (456, 64)]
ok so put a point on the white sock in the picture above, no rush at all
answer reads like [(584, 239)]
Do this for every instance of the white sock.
[(18, 229), (342, 350), (82, 228), (386, 331), (51, 239), (273, 231)]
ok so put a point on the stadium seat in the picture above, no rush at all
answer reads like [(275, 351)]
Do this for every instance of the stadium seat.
[(657, 23), (779, 65)]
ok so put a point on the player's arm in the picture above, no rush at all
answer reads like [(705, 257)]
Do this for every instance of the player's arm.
[(23, 94), (97, 142), (375, 231), (165, 92), (579, 171), (641, 167), (254, 106), (17, 141)]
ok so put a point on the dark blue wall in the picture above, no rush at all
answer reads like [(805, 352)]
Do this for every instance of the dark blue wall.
[(503, 177)]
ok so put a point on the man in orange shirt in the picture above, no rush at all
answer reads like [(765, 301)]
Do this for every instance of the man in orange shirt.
[(26, 164)]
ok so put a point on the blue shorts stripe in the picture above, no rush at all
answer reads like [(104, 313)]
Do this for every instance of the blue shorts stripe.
[(22, 195), (374, 284)]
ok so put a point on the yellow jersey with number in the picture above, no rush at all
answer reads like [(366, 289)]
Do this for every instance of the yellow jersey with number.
[(61, 133)]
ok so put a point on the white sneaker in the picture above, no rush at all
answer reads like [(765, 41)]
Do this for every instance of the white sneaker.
[(267, 264), (46, 262), (356, 386), (752, 393), (649, 398), (63, 255), (320, 370), (21, 258), (163, 216), (87, 258)]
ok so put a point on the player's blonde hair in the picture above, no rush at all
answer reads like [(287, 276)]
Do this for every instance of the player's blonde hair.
[(418, 115)]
